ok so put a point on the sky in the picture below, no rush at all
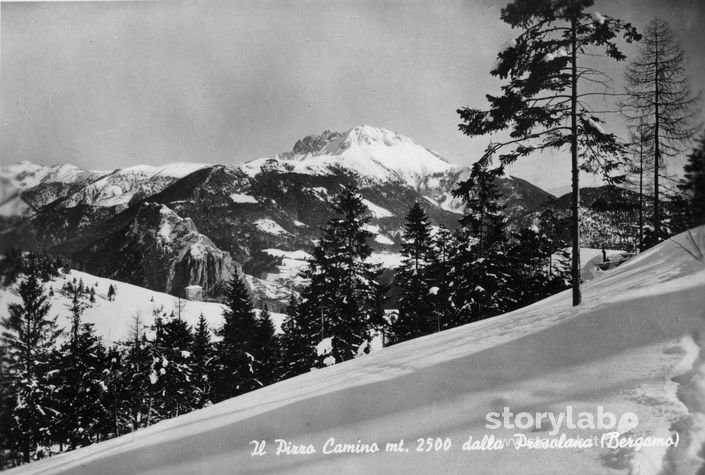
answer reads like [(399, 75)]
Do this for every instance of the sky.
[(105, 85)]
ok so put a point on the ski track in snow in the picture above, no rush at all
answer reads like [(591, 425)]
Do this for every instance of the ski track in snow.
[(633, 345)]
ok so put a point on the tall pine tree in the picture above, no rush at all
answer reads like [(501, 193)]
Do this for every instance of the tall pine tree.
[(29, 341), (202, 363), (544, 103), (267, 348), (297, 340), (416, 311), (171, 368), (343, 298), (82, 391), (479, 270), (236, 373), (659, 99)]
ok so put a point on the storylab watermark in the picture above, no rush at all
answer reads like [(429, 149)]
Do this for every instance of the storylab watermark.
[(557, 421), (562, 428)]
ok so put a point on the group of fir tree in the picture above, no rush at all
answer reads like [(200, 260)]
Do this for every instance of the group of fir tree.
[(553, 98), (545, 102), (64, 389)]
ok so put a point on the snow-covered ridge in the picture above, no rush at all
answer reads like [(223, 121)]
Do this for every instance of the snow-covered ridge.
[(103, 187), (122, 185), (25, 175)]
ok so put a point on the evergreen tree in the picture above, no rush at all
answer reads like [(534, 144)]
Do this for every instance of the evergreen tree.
[(660, 100), (136, 377), (81, 363), (267, 348), (236, 361), (416, 312), (297, 341), (444, 246), (693, 185), (343, 291), (484, 217), (111, 293), (11, 266), (6, 405), (82, 392), (117, 379), (535, 272), (170, 370), (543, 105), (202, 363), (28, 344), (639, 168), (479, 264)]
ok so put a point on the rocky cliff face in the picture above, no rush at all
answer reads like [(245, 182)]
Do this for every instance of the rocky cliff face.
[(315, 143), (161, 251)]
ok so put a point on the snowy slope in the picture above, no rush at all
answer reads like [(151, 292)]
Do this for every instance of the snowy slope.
[(112, 319), (633, 346), (590, 260)]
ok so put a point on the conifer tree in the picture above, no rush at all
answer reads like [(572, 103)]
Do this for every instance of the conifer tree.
[(690, 203), (118, 396), (236, 361), (659, 99), (416, 312), (640, 165), (170, 371), (202, 363), (479, 269), (267, 348), (111, 293), (297, 340), (484, 217), (136, 376), (343, 292), (543, 104), (29, 341), (82, 392), (534, 272), (444, 246)]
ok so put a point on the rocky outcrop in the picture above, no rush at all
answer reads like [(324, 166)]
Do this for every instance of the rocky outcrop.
[(315, 143), (162, 251), (181, 255)]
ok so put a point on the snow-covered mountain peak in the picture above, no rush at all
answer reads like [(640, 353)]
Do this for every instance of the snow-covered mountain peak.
[(369, 135), (373, 153), (334, 143)]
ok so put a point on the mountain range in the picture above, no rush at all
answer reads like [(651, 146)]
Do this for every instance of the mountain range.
[(167, 227)]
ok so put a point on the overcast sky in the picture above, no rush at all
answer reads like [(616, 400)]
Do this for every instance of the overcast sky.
[(111, 84)]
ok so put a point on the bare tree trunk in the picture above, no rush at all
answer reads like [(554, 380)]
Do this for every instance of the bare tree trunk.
[(657, 152), (574, 167), (641, 191)]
